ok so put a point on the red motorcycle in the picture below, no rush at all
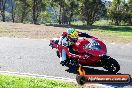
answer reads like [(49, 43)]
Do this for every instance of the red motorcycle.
[(87, 52)]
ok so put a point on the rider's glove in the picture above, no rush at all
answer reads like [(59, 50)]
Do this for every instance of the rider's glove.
[(65, 44)]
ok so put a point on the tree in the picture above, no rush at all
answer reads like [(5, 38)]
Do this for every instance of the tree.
[(60, 8), (2, 9), (12, 10), (116, 11), (130, 12), (64, 10), (72, 9), (37, 7), (92, 10), (25, 9), (22, 10), (121, 12)]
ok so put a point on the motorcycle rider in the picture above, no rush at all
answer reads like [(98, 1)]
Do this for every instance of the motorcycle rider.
[(68, 39)]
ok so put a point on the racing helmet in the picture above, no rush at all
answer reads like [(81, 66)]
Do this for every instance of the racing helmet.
[(72, 34)]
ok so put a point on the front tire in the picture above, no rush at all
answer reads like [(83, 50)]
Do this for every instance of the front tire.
[(111, 65)]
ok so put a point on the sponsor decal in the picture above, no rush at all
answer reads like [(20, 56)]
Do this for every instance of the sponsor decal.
[(82, 78)]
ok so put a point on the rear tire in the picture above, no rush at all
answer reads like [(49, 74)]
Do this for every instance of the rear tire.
[(80, 79)]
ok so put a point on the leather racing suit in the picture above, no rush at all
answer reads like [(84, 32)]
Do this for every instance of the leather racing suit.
[(64, 41)]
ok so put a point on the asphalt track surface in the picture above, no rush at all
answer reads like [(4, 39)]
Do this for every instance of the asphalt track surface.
[(36, 57)]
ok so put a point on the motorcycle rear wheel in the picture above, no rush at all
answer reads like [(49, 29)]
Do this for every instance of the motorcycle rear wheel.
[(80, 79)]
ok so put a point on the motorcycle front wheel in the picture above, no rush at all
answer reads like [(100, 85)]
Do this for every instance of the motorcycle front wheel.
[(111, 65)]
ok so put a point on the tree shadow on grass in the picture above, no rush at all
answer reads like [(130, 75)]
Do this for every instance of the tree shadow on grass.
[(85, 27), (92, 71)]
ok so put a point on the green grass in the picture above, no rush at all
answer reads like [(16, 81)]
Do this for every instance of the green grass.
[(99, 23), (117, 31), (116, 34), (11, 81), (77, 23), (102, 22)]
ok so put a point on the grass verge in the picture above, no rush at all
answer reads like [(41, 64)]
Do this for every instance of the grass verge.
[(110, 34), (12, 81), (117, 31), (116, 34)]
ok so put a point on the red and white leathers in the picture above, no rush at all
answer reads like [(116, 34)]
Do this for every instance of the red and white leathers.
[(65, 42)]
